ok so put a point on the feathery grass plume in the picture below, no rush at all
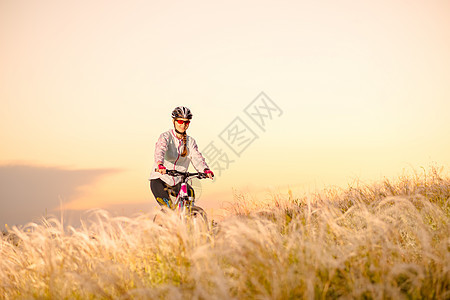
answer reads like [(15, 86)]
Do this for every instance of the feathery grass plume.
[(386, 240)]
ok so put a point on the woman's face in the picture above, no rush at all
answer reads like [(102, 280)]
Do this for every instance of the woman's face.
[(183, 126)]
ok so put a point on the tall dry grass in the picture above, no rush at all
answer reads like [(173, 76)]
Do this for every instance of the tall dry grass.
[(385, 240)]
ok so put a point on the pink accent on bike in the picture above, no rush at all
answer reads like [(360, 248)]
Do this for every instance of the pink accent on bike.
[(184, 188), (161, 167), (209, 172)]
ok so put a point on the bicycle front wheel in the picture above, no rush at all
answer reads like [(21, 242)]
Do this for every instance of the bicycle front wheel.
[(198, 218)]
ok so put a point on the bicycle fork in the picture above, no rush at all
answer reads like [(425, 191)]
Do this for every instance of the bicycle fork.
[(183, 194)]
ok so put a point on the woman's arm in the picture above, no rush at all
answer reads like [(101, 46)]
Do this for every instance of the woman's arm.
[(197, 159), (161, 148)]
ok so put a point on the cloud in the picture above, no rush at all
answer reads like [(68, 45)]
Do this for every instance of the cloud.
[(28, 192)]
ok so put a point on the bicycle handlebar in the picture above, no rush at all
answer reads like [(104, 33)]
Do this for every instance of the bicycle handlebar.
[(186, 175)]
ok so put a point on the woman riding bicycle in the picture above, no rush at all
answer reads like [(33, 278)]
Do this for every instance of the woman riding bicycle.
[(174, 151)]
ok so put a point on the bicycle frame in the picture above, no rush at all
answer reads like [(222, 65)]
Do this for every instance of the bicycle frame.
[(184, 204), (183, 200)]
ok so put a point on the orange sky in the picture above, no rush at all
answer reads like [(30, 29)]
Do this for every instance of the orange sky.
[(86, 88)]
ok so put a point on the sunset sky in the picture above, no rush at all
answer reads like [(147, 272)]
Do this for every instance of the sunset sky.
[(359, 90)]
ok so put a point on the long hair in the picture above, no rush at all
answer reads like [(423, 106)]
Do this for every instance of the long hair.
[(185, 151)]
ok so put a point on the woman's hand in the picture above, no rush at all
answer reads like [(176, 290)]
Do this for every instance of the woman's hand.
[(209, 173), (161, 169)]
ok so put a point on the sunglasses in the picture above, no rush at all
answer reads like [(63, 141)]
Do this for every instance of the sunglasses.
[(181, 122)]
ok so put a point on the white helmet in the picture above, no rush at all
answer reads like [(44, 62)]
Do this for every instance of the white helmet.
[(182, 112)]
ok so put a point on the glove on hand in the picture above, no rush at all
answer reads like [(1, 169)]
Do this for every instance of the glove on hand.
[(209, 173)]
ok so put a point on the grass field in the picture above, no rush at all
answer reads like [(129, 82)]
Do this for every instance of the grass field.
[(387, 240)]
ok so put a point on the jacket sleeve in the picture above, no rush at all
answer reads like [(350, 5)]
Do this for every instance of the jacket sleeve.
[(161, 147), (197, 159)]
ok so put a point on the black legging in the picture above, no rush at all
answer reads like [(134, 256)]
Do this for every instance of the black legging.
[(161, 191)]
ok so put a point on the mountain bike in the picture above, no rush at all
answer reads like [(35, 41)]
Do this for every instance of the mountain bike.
[(184, 205)]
